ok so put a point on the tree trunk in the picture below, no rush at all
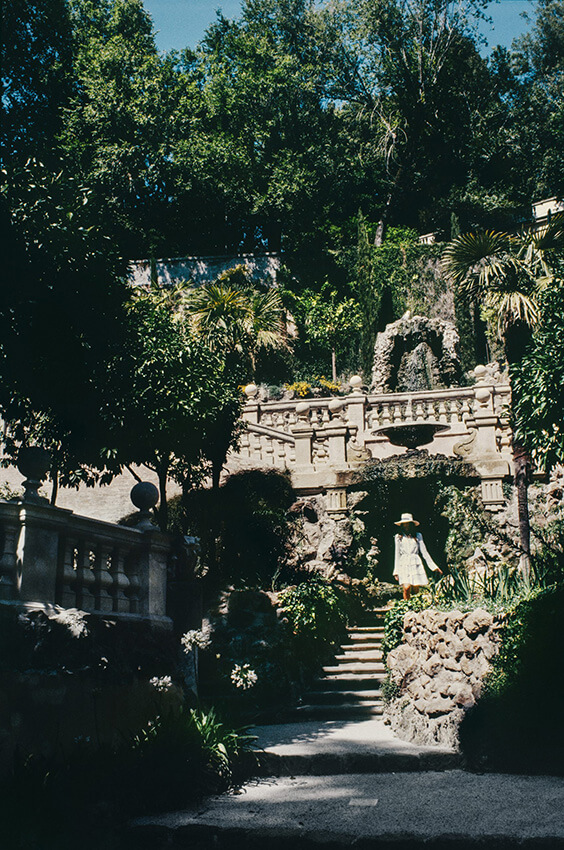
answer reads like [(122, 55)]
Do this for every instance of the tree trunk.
[(55, 486), (381, 227), (521, 461), (334, 365), (162, 512), (217, 466)]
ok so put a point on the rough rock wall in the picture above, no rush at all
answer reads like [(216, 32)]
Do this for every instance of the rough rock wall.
[(323, 540), (439, 671), (416, 353)]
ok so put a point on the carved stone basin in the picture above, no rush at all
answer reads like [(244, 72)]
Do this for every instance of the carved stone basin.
[(410, 434)]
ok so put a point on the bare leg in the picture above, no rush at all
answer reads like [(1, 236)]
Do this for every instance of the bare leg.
[(406, 592)]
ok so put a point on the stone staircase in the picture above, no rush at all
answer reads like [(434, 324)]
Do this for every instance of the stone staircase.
[(351, 686)]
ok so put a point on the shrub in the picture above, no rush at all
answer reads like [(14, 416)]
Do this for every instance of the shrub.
[(393, 622), (83, 798), (316, 611), (517, 725), (245, 527)]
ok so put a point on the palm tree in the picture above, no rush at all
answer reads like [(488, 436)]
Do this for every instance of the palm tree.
[(233, 317), (506, 275), (230, 314)]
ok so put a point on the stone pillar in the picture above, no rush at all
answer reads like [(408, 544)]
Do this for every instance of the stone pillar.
[(251, 411), (356, 408), (10, 528), (485, 453), (38, 551), (152, 575), (336, 432), (303, 436)]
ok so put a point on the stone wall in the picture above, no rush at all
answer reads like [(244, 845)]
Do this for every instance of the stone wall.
[(438, 672), (262, 267)]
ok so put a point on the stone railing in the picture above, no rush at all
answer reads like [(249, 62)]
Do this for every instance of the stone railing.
[(319, 439), (50, 556)]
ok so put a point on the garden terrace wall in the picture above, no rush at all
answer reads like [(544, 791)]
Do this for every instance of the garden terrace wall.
[(437, 672), (50, 556)]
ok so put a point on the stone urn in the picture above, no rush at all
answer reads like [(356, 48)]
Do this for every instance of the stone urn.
[(33, 463)]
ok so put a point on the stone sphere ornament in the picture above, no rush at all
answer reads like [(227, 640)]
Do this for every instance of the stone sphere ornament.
[(144, 496), (355, 383), (250, 391)]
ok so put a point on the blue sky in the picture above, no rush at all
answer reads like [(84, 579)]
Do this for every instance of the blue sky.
[(182, 23)]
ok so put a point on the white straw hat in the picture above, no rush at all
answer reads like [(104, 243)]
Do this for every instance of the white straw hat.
[(405, 519)]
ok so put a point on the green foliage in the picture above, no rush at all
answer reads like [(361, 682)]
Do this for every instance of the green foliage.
[(326, 321), (63, 322), (178, 402), (316, 611), (538, 384), (495, 588), (245, 528), (36, 77), (393, 621), (86, 795), (517, 725), (401, 274), (548, 558)]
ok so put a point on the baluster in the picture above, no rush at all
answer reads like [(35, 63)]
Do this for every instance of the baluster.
[(269, 451), (84, 578), (325, 417), (68, 591), (409, 409), (430, 413), (464, 409), (419, 411), (257, 450), (386, 415), (281, 455), (103, 578), (8, 563), (132, 570), (120, 580), (443, 412)]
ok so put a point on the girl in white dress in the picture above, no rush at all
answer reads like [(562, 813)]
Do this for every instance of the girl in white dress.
[(410, 551)]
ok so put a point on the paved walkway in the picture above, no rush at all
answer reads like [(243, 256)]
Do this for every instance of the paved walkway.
[(395, 805), (340, 746)]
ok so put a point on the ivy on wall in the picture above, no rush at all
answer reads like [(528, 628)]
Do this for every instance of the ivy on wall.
[(401, 275)]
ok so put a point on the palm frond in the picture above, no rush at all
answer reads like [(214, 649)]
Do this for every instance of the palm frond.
[(466, 255)]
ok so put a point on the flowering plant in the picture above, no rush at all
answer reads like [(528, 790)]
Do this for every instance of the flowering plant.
[(161, 683), (195, 638), (243, 676)]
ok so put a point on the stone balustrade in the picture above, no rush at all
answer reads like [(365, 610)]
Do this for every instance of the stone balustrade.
[(50, 556), (319, 439)]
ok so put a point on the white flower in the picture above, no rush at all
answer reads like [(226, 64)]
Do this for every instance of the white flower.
[(195, 637), (243, 676), (162, 684)]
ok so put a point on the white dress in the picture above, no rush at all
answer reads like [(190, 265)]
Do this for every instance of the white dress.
[(408, 565)]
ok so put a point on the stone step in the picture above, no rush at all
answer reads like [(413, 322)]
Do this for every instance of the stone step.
[(357, 681), (362, 646), (342, 710), (368, 637), (363, 630), (360, 657), (360, 667), (350, 695)]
